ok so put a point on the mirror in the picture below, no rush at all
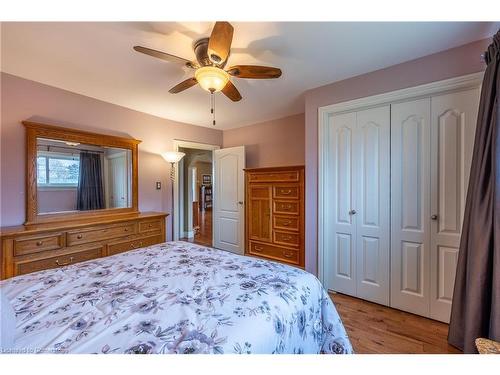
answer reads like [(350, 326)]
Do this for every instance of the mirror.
[(73, 176)]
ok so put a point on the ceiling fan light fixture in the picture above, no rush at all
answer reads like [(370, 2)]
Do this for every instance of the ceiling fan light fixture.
[(211, 78)]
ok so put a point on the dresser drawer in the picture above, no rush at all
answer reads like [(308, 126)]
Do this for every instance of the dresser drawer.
[(286, 207), (122, 246), (274, 252), (98, 234), (150, 226), (286, 191), (36, 244), (286, 222), (22, 267), (286, 238), (274, 176)]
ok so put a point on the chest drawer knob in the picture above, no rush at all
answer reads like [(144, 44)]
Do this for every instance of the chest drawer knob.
[(136, 245), (286, 192), (79, 236), (287, 223), (39, 243), (64, 264), (258, 248), (287, 254), (126, 229)]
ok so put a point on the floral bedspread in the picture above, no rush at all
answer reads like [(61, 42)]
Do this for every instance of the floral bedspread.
[(175, 297)]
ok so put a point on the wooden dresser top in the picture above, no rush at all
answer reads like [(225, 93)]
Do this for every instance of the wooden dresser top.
[(36, 228), (272, 169)]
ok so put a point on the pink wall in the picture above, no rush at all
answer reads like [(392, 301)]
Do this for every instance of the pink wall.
[(22, 99), (272, 143), (447, 64), (57, 200)]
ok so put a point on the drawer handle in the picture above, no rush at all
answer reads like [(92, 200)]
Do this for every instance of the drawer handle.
[(64, 264), (79, 236), (136, 246), (150, 225), (39, 243), (287, 254), (287, 238), (126, 229), (287, 223), (287, 206), (258, 248), (286, 192)]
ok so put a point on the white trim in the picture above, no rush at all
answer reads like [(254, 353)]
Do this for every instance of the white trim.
[(439, 87), (451, 84), (188, 234), (184, 144)]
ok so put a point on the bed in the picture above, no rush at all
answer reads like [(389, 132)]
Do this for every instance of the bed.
[(175, 297)]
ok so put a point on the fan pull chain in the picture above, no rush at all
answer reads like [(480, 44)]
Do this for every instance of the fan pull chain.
[(212, 104)]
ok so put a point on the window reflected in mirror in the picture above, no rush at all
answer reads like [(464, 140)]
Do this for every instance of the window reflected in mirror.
[(79, 177)]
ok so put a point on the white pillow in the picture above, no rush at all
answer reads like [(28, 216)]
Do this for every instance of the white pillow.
[(8, 323)]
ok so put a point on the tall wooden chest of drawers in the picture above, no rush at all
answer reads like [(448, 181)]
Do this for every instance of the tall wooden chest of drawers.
[(275, 214)]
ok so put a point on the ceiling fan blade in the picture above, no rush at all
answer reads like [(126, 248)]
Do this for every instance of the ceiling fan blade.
[(231, 92), (219, 43), (183, 85), (165, 56), (254, 71)]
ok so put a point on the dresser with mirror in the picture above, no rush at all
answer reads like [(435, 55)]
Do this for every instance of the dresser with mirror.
[(81, 201)]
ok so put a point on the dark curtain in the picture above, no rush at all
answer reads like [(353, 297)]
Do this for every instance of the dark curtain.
[(90, 189), (476, 298)]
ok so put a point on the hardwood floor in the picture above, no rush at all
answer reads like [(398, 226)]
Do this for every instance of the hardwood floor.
[(378, 329), (204, 235)]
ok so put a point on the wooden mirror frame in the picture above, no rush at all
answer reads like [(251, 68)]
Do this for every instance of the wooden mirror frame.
[(36, 130)]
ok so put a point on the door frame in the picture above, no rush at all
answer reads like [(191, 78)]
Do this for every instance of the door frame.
[(448, 85), (178, 143)]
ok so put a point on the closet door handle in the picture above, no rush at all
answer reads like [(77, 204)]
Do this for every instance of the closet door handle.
[(434, 217), (352, 212)]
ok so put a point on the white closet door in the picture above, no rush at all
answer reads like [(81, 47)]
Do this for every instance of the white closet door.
[(410, 209), (372, 189), (453, 127), (340, 256)]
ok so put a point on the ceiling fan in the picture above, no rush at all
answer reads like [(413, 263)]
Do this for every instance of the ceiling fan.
[(211, 58)]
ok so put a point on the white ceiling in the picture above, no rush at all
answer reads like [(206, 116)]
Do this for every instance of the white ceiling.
[(97, 60)]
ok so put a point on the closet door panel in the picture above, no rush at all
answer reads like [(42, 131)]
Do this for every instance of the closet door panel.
[(410, 205), (340, 256), (453, 128), (372, 168)]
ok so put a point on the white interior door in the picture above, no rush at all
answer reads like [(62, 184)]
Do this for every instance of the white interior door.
[(410, 206), (372, 189), (118, 181), (340, 257), (229, 193), (453, 128)]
